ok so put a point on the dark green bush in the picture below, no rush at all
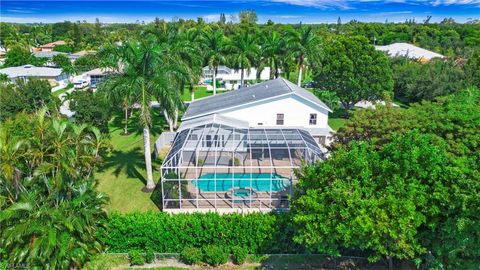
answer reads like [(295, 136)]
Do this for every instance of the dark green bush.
[(164, 233), (136, 257), (239, 255), (191, 255), (149, 256), (215, 255)]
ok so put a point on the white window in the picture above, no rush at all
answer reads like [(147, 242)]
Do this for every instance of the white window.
[(313, 119), (280, 118)]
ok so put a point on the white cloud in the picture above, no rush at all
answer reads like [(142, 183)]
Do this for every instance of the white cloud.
[(348, 4), (455, 2), (343, 4)]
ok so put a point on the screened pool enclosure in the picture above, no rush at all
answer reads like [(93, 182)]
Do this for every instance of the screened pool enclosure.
[(229, 167)]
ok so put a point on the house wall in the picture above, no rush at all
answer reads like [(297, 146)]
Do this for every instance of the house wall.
[(295, 109)]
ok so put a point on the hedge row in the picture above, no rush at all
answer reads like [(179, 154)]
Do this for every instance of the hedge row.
[(164, 233)]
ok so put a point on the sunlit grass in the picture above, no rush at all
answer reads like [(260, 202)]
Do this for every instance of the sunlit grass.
[(123, 174)]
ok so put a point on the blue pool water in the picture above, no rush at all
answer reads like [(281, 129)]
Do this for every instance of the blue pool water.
[(260, 182)]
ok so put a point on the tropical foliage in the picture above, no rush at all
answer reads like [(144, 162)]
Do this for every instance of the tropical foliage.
[(25, 96), (50, 209)]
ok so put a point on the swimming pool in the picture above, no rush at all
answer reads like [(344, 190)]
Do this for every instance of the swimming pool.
[(260, 181)]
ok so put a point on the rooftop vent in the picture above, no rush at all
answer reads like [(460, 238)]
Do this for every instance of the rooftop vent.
[(27, 66)]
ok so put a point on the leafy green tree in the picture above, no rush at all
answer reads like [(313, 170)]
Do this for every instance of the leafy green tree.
[(90, 108), (63, 48), (61, 60), (304, 44), (472, 69), (18, 56), (329, 98), (379, 125), (87, 62), (376, 200), (415, 81), (455, 119), (353, 69), (28, 96)]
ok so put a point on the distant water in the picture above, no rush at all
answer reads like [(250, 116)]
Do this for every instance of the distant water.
[(289, 11)]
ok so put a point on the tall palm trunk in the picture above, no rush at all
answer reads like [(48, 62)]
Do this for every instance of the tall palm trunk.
[(175, 119), (300, 70), (242, 76), (192, 92), (146, 141), (125, 129), (169, 120), (148, 158), (214, 81)]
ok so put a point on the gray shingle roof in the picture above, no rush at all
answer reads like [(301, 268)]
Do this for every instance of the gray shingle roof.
[(31, 71), (247, 95)]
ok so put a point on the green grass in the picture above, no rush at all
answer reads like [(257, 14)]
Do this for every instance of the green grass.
[(336, 123), (200, 92), (122, 177), (63, 90)]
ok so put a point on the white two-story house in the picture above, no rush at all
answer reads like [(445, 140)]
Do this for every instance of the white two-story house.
[(237, 151), (275, 103)]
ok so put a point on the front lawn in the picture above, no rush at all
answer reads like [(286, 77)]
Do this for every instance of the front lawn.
[(200, 92), (123, 174)]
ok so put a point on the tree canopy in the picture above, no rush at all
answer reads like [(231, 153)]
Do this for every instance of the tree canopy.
[(353, 69)]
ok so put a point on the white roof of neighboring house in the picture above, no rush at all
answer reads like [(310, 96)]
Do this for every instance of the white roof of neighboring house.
[(31, 71), (249, 75), (230, 74), (408, 50), (46, 54), (368, 104)]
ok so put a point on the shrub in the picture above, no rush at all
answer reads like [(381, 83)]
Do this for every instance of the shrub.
[(191, 255), (136, 257), (164, 233), (149, 256), (215, 255), (239, 255)]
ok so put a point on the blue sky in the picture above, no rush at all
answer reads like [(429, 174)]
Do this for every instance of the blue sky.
[(286, 11)]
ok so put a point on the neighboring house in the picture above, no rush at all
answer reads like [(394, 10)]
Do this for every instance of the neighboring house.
[(95, 76), (237, 151), (76, 55), (3, 53), (53, 75), (49, 46), (49, 55), (231, 78), (410, 51)]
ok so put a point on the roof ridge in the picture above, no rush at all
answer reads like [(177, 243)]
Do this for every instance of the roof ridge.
[(285, 82)]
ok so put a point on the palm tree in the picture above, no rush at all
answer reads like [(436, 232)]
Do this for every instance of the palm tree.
[(272, 50), (191, 55), (214, 44), (52, 221), (303, 44), (116, 92), (149, 70), (243, 49)]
